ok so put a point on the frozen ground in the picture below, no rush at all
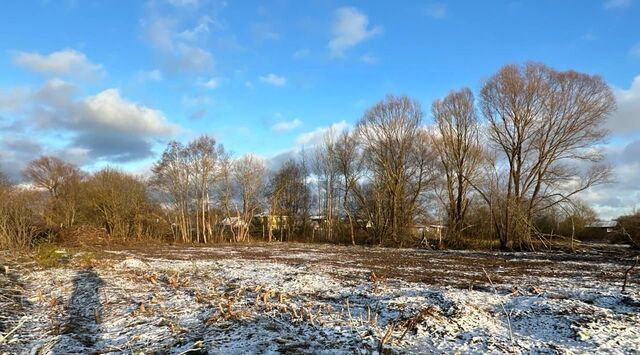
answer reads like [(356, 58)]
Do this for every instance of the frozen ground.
[(321, 299)]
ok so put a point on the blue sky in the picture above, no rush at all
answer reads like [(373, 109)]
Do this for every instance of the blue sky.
[(110, 82)]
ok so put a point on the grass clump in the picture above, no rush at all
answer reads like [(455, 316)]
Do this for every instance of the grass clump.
[(50, 255)]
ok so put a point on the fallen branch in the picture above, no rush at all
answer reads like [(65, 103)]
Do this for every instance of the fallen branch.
[(6, 336), (631, 240), (504, 309), (412, 322), (626, 274)]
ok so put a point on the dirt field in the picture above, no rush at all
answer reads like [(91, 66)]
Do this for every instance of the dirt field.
[(299, 298)]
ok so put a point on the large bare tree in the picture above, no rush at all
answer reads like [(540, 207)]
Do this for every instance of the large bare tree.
[(545, 125), (50, 173), (185, 175), (459, 149), (62, 181), (398, 159), (203, 158)]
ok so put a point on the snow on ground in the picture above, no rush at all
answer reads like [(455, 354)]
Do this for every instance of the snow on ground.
[(323, 299)]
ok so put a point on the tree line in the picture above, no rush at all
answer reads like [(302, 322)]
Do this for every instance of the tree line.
[(503, 169)]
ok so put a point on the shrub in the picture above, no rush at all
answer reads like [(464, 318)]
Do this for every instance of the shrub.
[(629, 226), (20, 221), (50, 255)]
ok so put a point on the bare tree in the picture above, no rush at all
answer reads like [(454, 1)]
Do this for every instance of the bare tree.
[(458, 146), (171, 177), (396, 152), (62, 181), (422, 175), (117, 202), (289, 199), (225, 195), (50, 173), (326, 171), (275, 216), (545, 124), (349, 166), (629, 226), (19, 218), (249, 173), (202, 155), (185, 175)]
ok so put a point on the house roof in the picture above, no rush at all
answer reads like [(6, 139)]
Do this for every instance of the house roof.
[(603, 224)]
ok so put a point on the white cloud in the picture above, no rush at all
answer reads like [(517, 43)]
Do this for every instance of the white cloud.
[(249, 84), (191, 59), (151, 75), (276, 161), (13, 99), (63, 63), (314, 137), (623, 154), (212, 83), (626, 119), (635, 50), (301, 53), (109, 110), (623, 193), (177, 49), (436, 10), (74, 155), (350, 27), (104, 127), (617, 4), (284, 126), (160, 32), (184, 3), (154, 75), (273, 79), (369, 59), (199, 32)]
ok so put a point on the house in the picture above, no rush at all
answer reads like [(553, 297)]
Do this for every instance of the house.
[(366, 223), (435, 229), (603, 226), (318, 218), (233, 222), (274, 221), (317, 221)]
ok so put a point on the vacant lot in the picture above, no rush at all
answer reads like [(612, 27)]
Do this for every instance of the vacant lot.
[(315, 298)]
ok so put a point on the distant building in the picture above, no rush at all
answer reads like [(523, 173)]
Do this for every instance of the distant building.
[(271, 220), (317, 221), (603, 226), (233, 222), (430, 228)]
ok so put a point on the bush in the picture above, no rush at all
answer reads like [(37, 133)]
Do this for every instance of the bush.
[(118, 204), (50, 255), (629, 226), (20, 220)]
